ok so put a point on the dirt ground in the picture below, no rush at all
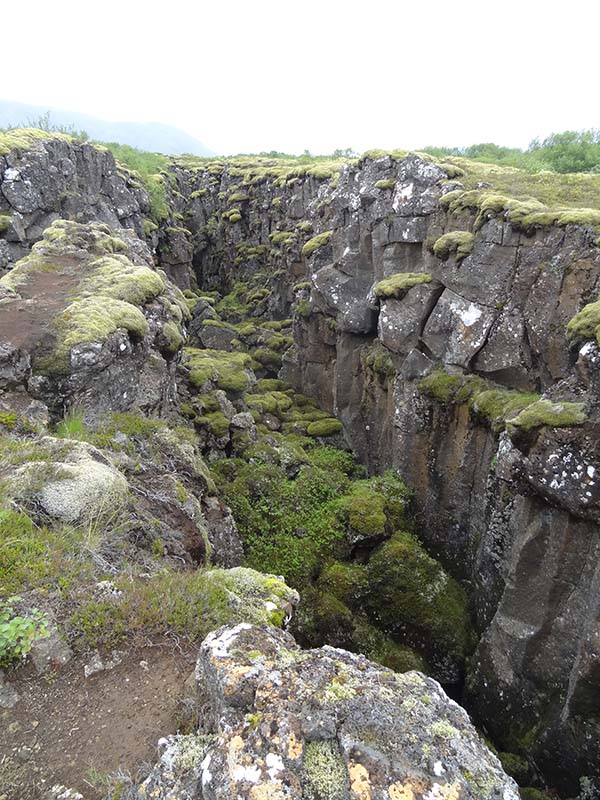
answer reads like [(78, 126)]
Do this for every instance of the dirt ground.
[(71, 730)]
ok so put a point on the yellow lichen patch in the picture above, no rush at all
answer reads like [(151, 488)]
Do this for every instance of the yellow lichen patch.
[(295, 746), (236, 743), (237, 676), (267, 791), (360, 783), (448, 791), (401, 791)]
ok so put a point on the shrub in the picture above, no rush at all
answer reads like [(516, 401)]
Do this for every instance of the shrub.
[(17, 633)]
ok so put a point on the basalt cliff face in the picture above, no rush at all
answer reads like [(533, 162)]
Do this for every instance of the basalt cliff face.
[(447, 321), (428, 355)]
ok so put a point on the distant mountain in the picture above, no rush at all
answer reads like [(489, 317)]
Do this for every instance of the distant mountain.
[(154, 136)]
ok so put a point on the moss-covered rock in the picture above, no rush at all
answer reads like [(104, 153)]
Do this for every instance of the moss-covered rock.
[(489, 403), (337, 724), (315, 243), (92, 289), (324, 427), (325, 774), (409, 596), (547, 412), (457, 243), (397, 285), (63, 480), (586, 324), (388, 183), (227, 371)]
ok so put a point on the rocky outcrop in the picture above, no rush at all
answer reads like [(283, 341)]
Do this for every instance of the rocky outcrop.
[(45, 177), (88, 321), (285, 723)]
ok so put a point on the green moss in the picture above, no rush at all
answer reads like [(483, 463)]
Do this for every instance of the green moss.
[(198, 193), (216, 422), (496, 405), (458, 243), (325, 774), (273, 402), (4, 223), (516, 766), (586, 324), (270, 385), (116, 277), (440, 386), (410, 596), (305, 226), (526, 212), (315, 243), (529, 793), (285, 238), (547, 412), (233, 216), (386, 184), (267, 357), (238, 197), (324, 427), (384, 650), (303, 309), (149, 226), (492, 404), (171, 338), (21, 139), (227, 370), (8, 419), (366, 513), (397, 285), (444, 730)]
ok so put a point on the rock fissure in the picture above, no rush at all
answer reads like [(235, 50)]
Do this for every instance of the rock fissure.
[(273, 328)]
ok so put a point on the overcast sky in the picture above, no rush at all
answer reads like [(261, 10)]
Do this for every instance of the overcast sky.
[(262, 75)]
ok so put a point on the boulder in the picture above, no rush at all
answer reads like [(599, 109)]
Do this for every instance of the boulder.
[(322, 724)]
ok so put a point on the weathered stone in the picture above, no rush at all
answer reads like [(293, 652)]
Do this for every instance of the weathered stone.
[(9, 697), (456, 329), (226, 548), (400, 322), (347, 298), (328, 723)]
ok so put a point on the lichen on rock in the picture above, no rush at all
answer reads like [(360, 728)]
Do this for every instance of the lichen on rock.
[(286, 731)]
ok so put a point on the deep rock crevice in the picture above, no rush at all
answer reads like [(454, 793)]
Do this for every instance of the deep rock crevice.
[(434, 380)]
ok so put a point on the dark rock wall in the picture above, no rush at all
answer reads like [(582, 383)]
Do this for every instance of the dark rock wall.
[(486, 507)]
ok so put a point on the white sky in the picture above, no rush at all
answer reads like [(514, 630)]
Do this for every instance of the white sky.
[(262, 75)]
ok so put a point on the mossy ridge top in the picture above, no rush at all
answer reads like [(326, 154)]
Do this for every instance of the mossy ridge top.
[(457, 243), (94, 287), (21, 139), (524, 212), (501, 407)]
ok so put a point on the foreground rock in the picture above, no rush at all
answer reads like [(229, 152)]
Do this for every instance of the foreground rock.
[(321, 725)]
